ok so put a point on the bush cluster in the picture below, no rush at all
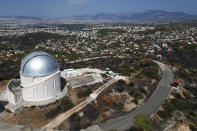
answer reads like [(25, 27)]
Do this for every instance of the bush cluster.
[(176, 104), (137, 96), (183, 105), (84, 93), (122, 69), (121, 85), (149, 72), (167, 112), (63, 105)]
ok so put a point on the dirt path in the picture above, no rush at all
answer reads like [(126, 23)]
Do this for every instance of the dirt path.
[(64, 116)]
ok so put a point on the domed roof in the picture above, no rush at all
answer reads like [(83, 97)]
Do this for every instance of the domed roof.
[(38, 64)]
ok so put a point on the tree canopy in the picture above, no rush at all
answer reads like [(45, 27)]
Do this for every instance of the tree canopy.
[(142, 121)]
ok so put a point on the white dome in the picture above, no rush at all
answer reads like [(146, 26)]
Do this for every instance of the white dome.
[(38, 64)]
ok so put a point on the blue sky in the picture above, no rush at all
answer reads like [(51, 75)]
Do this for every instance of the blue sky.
[(60, 8)]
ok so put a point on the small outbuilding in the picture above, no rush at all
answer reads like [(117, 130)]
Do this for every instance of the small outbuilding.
[(69, 73)]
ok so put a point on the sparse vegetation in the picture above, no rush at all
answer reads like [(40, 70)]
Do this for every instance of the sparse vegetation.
[(63, 105), (150, 72), (75, 123), (148, 68), (176, 104), (122, 69), (183, 105), (167, 111), (91, 112), (137, 96)]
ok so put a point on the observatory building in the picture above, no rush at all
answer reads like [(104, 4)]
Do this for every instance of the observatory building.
[(39, 80)]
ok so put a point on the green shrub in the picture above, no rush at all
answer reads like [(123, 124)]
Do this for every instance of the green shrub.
[(122, 69), (163, 114), (135, 101), (168, 110), (192, 114), (149, 72), (137, 96), (169, 107), (181, 104), (84, 93), (145, 63), (91, 112), (143, 91), (76, 125), (141, 121), (120, 86), (131, 91), (195, 106), (131, 84), (65, 104)]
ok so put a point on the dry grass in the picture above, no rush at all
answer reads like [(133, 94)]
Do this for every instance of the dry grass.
[(3, 84), (33, 117)]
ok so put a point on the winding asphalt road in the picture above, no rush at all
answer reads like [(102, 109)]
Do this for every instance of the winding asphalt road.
[(150, 107)]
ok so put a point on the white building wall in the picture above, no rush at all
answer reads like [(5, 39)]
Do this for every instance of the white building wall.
[(43, 89), (11, 97), (71, 73), (57, 82), (28, 81)]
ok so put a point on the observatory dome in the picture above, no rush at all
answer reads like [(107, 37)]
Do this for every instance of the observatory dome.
[(38, 64)]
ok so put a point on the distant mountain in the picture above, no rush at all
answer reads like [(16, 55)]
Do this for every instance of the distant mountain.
[(27, 17), (151, 16), (21, 17)]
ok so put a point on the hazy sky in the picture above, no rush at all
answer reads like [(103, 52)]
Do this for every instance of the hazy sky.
[(60, 8)]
